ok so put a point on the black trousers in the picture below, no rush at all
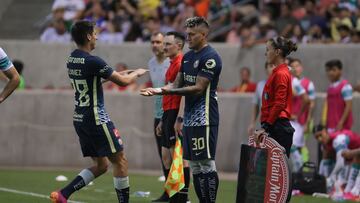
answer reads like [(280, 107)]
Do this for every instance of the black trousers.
[(282, 132)]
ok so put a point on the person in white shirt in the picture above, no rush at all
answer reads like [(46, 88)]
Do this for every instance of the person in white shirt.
[(56, 34)]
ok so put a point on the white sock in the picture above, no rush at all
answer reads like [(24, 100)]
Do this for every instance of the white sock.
[(87, 175), (121, 182), (296, 160), (344, 174), (356, 189), (354, 171), (326, 166)]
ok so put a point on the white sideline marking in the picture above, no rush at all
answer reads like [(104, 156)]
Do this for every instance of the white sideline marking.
[(31, 194)]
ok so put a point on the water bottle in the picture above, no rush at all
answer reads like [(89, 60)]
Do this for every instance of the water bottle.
[(142, 193)]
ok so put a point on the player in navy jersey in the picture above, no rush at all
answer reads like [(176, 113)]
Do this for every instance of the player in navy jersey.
[(197, 80), (7, 67), (99, 139)]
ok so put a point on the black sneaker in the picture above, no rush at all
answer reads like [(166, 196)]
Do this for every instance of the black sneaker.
[(163, 198)]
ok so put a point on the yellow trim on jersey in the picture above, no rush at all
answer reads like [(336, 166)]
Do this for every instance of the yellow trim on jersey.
[(207, 106), (96, 114), (108, 136), (208, 141)]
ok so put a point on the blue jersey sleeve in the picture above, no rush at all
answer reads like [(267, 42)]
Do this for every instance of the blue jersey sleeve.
[(210, 67), (101, 68)]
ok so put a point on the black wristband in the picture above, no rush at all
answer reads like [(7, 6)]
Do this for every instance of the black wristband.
[(266, 126), (179, 119)]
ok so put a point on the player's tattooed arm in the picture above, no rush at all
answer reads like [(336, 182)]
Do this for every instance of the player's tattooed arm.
[(179, 80), (197, 89)]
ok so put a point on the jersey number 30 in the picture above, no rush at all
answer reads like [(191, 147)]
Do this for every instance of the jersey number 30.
[(81, 87)]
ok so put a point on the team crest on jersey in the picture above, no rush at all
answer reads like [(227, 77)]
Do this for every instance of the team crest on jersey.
[(210, 63), (196, 63)]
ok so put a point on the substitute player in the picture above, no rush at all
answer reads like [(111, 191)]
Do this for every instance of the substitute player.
[(339, 143), (197, 81), (10, 72), (173, 45), (98, 136)]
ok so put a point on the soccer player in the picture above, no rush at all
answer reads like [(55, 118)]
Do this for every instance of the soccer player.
[(197, 80), (99, 139), (11, 74), (257, 99), (339, 98), (338, 143), (158, 66), (303, 104), (173, 45), (277, 94)]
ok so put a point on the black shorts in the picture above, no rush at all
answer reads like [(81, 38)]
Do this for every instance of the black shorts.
[(282, 132), (199, 142), (98, 140), (168, 131)]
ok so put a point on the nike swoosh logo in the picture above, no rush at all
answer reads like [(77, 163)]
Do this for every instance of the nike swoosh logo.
[(186, 61), (197, 153)]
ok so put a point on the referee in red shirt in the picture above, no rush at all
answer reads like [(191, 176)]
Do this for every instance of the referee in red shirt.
[(277, 94)]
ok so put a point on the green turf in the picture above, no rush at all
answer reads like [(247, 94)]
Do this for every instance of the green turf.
[(43, 182)]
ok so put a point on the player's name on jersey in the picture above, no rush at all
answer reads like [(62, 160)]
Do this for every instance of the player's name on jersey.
[(76, 60), (189, 78), (76, 72)]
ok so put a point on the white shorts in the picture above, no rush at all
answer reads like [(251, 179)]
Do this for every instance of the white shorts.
[(298, 139)]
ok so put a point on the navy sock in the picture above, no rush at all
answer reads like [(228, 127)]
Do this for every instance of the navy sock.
[(212, 184), (199, 185), (74, 185), (123, 195)]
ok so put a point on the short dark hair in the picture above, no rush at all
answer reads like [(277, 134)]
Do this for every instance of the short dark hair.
[(246, 69), (334, 63), (318, 128), (19, 66), (80, 30), (177, 35), (196, 21), (292, 60), (285, 45), (343, 28)]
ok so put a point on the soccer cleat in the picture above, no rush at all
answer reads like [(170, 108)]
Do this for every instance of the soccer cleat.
[(350, 196), (57, 197), (163, 198)]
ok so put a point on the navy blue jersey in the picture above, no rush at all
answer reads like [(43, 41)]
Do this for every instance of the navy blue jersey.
[(85, 72), (201, 110)]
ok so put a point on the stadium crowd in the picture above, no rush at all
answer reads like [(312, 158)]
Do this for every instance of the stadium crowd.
[(242, 22)]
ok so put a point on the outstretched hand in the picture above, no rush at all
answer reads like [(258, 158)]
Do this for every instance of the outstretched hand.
[(141, 71), (150, 91)]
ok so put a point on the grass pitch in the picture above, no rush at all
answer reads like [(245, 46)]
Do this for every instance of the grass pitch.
[(34, 186)]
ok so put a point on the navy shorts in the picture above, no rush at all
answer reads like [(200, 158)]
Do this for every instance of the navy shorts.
[(98, 140), (168, 132), (199, 142)]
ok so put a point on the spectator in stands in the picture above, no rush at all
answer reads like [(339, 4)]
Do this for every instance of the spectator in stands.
[(97, 14), (285, 23), (246, 85), (344, 33), (72, 8), (113, 33), (122, 68), (56, 34), (19, 66), (152, 25), (355, 36)]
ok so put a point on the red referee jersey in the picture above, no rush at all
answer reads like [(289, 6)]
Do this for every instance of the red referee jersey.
[(172, 101), (277, 95)]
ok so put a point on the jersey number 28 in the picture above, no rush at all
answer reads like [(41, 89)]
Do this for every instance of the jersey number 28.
[(81, 87)]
